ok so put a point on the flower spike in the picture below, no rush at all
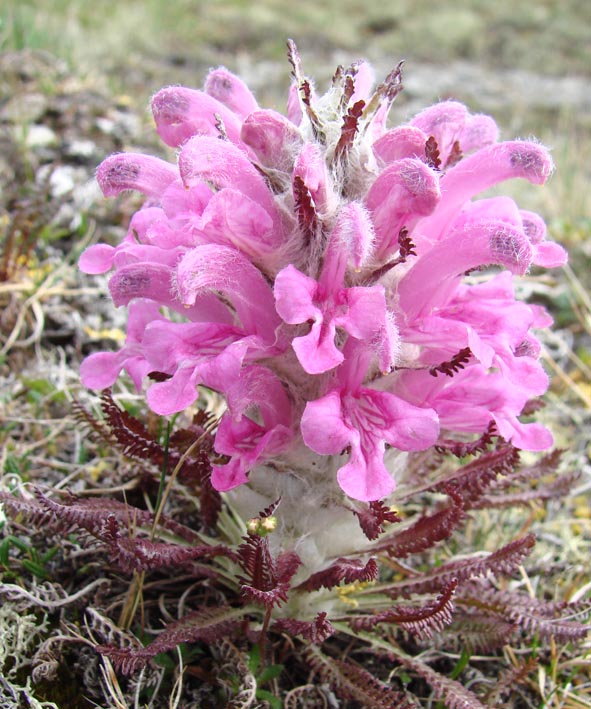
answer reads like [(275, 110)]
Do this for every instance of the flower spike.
[(313, 270)]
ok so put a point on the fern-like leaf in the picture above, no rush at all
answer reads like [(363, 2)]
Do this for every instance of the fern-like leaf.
[(351, 682), (208, 625), (315, 631), (131, 437), (432, 155), (426, 531), (502, 562), (421, 622), (532, 616), (90, 514), (138, 554), (349, 129), (475, 632), (452, 693), (373, 518), (341, 571), (267, 579), (461, 449), (477, 476)]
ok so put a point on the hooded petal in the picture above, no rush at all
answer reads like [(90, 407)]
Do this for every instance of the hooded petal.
[(181, 113), (273, 138), (211, 268), (481, 170), (234, 219), (405, 191), (133, 171), (436, 275), (230, 90), (400, 142)]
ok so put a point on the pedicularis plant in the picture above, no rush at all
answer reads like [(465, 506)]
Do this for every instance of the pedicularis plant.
[(337, 287)]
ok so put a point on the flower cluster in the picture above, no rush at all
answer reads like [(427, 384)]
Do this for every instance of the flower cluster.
[(328, 276)]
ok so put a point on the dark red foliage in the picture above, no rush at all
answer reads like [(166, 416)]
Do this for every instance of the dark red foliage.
[(473, 479), (406, 248), (455, 155), (349, 681), (461, 449), (457, 362), (133, 439), (304, 89), (531, 615), (421, 622), (341, 571), (267, 579), (315, 631), (427, 531), (392, 84), (139, 554), (349, 129), (456, 696), (305, 209), (501, 562), (206, 624), (373, 518), (432, 156)]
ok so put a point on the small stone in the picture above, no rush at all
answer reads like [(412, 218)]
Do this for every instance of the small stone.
[(64, 179), (81, 149), (40, 136), (24, 108)]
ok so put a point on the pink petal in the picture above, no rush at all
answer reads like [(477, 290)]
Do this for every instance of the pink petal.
[(316, 351), (366, 312), (181, 113), (230, 90), (273, 138), (133, 171), (175, 394), (525, 436), (310, 166), (534, 226), (479, 131), (322, 425), (212, 268), (352, 238), (221, 164), (142, 280), (405, 426), (178, 202), (100, 370), (444, 121), (364, 80), (548, 254), (405, 191), (294, 296), (400, 142), (365, 477), (484, 169), (234, 219), (435, 276), (227, 477), (294, 108), (96, 259)]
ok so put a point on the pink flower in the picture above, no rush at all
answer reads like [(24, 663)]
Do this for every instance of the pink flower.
[(315, 271), (359, 311), (362, 419)]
